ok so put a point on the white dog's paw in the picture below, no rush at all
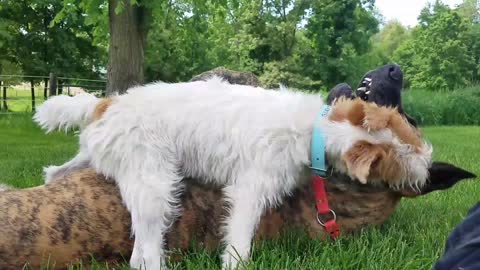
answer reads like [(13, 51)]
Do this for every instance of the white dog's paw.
[(4, 187), (136, 260), (137, 263), (51, 173), (141, 263), (231, 260)]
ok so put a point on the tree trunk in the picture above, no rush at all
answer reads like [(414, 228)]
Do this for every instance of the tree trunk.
[(128, 31)]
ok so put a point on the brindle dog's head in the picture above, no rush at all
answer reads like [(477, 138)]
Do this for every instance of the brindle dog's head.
[(383, 86)]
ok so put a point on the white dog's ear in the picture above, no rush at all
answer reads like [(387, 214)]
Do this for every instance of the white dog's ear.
[(361, 158)]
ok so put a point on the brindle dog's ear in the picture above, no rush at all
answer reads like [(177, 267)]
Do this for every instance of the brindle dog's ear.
[(442, 176), (340, 90)]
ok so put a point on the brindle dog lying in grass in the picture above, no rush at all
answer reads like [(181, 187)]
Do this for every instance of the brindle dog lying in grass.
[(82, 215)]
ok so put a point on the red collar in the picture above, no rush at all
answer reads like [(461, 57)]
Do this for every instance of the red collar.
[(321, 202)]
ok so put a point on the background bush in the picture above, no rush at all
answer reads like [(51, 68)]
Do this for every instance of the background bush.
[(459, 107)]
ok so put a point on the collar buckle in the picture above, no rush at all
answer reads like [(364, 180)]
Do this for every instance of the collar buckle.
[(319, 171)]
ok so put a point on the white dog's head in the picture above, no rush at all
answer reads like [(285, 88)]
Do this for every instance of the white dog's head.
[(397, 164)]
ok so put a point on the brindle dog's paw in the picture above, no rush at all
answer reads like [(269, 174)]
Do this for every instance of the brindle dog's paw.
[(376, 117)]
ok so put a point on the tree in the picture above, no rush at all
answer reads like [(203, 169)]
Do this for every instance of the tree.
[(470, 11), (30, 39), (193, 36), (440, 53), (128, 31), (392, 35), (124, 24), (339, 31)]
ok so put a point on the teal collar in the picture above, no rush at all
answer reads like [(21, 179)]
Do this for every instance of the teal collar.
[(319, 163)]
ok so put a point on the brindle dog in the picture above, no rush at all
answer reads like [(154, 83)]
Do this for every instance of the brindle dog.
[(82, 215)]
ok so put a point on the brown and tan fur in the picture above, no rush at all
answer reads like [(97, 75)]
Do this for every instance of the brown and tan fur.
[(82, 215), (379, 161), (373, 117), (101, 108)]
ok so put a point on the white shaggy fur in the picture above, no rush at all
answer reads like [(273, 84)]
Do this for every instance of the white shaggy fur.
[(64, 112), (253, 142), (4, 187)]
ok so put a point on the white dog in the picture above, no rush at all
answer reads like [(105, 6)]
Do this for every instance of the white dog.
[(253, 142)]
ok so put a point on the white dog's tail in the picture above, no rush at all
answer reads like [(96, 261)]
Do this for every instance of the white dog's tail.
[(65, 112)]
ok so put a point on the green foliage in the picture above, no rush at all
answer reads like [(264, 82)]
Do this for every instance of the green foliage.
[(32, 41), (304, 44), (459, 107), (95, 15), (385, 43), (442, 52), (339, 32), (190, 37), (279, 40), (277, 73)]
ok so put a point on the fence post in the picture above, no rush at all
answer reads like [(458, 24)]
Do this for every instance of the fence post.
[(5, 106), (32, 87), (45, 88), (60, 87), (53, 84), (1, 83)]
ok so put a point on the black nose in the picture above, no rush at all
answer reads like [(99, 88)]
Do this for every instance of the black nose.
[(395, 72)]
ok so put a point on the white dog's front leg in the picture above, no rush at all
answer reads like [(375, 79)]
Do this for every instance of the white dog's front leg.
[(247, 207), (151, 196), (80, 161)]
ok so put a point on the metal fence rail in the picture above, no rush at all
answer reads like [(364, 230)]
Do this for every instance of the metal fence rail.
[(20, 93)]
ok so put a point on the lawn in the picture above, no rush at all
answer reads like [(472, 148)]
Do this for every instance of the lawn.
[(412, 239), (20, 99)]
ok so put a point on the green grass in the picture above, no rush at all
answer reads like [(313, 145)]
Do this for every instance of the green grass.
[(413, 238), (20, 100), (24, 150)]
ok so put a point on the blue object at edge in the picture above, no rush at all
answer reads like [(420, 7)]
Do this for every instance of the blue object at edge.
[(319, 163)]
